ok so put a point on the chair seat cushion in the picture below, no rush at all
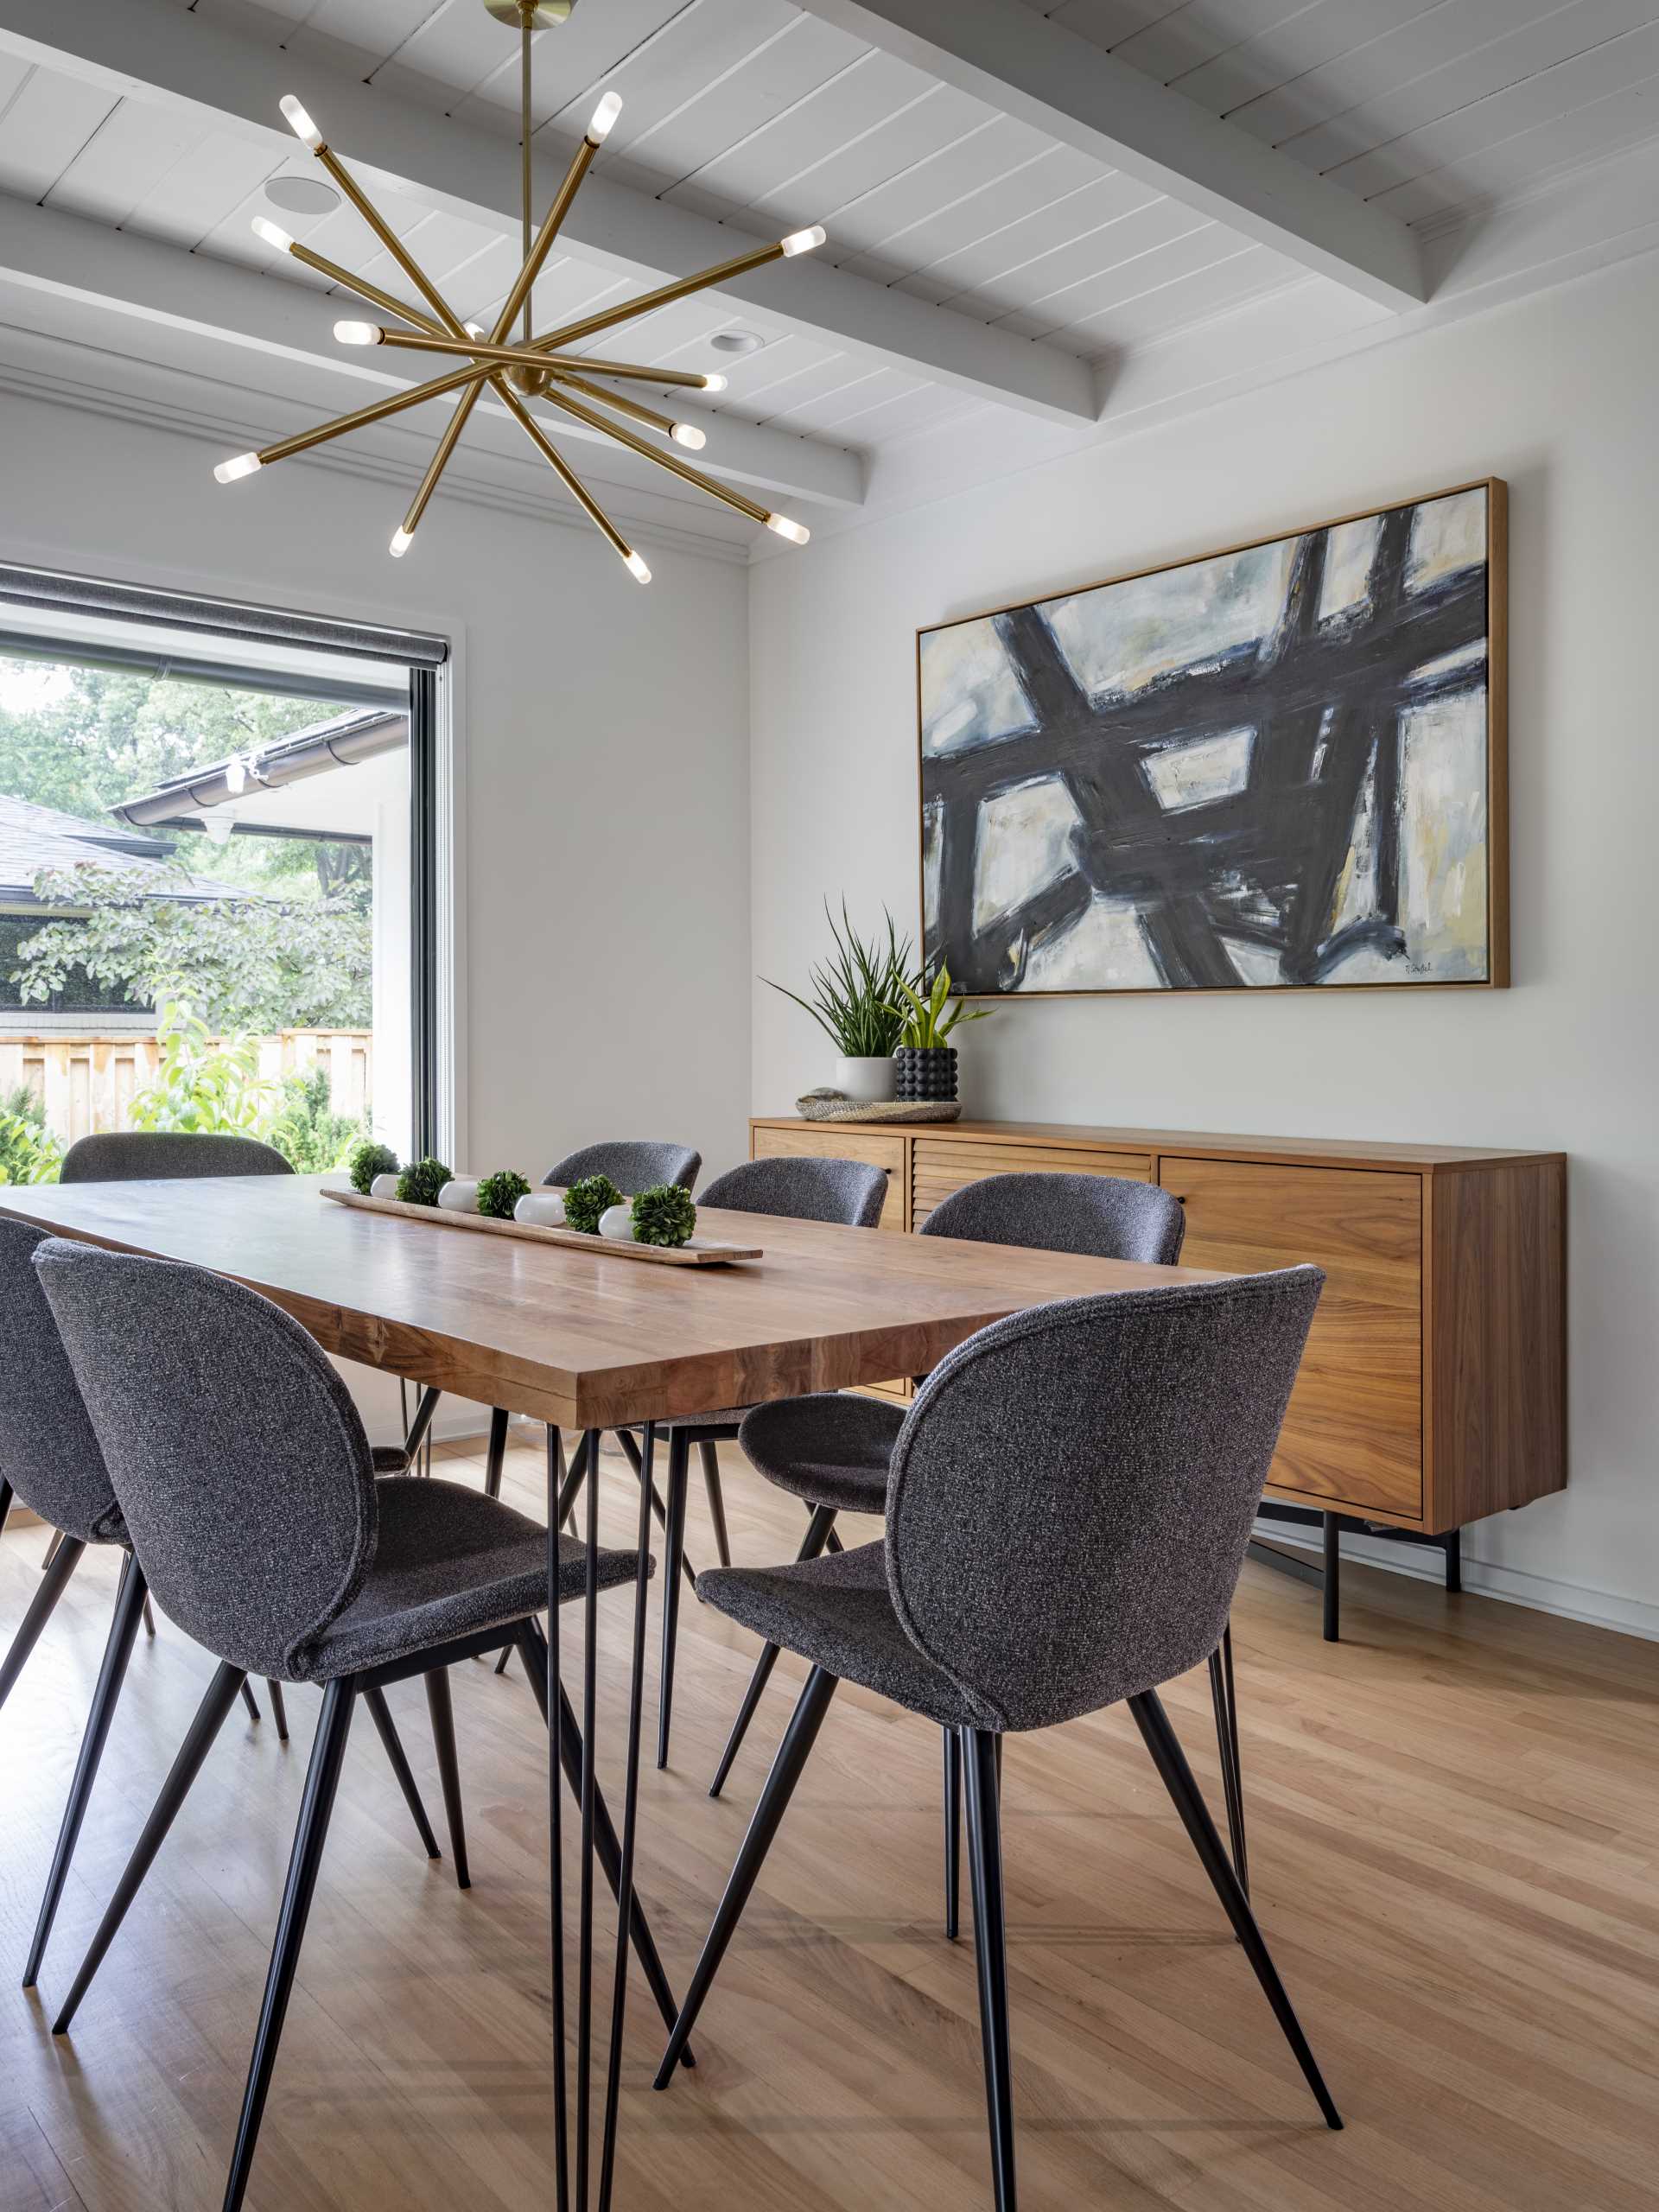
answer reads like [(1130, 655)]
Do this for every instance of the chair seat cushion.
[(831, 1448), (729, 1418), (448, 1560), (837, 1611)]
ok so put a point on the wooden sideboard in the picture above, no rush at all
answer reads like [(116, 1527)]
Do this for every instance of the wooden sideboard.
[(1434, 1390)]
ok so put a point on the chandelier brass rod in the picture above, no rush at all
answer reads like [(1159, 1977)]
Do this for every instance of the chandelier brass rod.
[(632, 408), (360, 417), (387, 301), (424, 341), (536, 255), (389, 239), (664, 296), (439, 461), (566, 474), (677, 467)]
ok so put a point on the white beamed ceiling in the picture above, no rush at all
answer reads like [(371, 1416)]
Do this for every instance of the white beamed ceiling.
[(763, 117)]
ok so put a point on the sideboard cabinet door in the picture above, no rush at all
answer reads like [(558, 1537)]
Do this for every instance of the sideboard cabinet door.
[(1352, 1438)]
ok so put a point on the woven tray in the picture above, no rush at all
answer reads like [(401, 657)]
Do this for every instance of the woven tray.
[(830, 1106), (700, 1252)]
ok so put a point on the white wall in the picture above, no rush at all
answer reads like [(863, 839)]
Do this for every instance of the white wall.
[(1557, 397), (602, 751)]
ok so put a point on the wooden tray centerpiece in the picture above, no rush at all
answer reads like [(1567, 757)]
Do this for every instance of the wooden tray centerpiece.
[(699, 1252)]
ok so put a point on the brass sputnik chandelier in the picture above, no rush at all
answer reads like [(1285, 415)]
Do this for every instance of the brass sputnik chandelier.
[(543, 367)]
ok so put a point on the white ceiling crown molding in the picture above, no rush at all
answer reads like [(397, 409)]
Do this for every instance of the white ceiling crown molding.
[(233, 66), (1036, 71)]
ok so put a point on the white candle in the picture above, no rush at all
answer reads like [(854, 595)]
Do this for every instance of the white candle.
[(541, 1209), (617, 1222), (384, 1186), (459, 1196)]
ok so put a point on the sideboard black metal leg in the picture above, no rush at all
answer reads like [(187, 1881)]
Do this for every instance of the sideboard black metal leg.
[(1332, 1577), (1454, 1560)]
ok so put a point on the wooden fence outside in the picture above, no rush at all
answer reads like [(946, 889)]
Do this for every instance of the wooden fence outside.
[(86, 1083)]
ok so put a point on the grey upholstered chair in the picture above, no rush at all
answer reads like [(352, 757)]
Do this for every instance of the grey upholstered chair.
[(50, 1461), (162, 1155), (1068, 1505), (832, 1448), (842, 1191), (249, 1495)]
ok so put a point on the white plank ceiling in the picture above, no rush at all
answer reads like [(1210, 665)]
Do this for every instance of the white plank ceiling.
[(767, 119)]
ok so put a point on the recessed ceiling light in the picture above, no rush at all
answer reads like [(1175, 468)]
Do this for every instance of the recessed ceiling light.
[(302, 195), (737, 342)]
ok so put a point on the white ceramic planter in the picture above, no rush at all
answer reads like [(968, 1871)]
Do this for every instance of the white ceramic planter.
[(867, 1080), (542, 1209), (617, 1222), (459, 1196), (384, 1186)]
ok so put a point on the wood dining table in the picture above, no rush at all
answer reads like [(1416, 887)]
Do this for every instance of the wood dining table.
[(590, 1341)]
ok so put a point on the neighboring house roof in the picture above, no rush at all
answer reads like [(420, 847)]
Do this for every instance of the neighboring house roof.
[(358, 734), (35, 838)]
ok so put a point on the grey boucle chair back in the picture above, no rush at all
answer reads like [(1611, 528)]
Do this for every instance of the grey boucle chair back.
[(1071, 1493), (158, 1155), (632, 1166), (1105, 1215), (47, 1451), (845, 1191), (235, 1452)]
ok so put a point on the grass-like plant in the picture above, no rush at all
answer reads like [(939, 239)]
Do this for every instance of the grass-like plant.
[(663, 1215), (368, 1160), (499, 1193), (855, 993), (419, 1183), (927, 1022), (585, 1201)]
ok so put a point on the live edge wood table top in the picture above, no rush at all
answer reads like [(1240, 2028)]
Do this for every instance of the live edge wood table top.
[(581, 1341)]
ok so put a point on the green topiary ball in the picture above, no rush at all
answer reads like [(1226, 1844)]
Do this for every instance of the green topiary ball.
[(497, 1194), (584, 1202), (663, 1215), (419, 1186), (366, 1160)]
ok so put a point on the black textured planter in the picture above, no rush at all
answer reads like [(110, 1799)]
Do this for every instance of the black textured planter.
[(927, 1072)]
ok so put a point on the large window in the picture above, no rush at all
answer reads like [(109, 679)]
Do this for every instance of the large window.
[(212, 909)]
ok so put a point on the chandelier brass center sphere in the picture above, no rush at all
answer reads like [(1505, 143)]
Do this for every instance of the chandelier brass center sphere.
[(545, 367)]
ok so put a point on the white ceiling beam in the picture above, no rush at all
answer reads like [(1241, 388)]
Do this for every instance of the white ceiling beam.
[(137, 279), (233, 65), (1024, 65)]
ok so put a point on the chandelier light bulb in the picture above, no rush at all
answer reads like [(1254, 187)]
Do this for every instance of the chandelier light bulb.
[(358, 334), (687, 434), (803, 241), (401, 541), (273, 234), (474, 329), (714, 383), (299, 122), (604, 116), (637, 569), (245, 464), (797, 533)]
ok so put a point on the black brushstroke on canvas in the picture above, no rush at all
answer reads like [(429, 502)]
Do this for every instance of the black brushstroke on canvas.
[(1326, 701)]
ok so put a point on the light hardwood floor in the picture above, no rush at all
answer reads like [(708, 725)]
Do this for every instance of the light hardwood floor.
[(1454, 1849)]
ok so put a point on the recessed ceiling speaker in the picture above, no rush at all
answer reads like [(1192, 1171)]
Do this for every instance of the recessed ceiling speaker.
[(302, 195)]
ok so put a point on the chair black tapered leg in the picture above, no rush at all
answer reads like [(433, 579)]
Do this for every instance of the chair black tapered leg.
[(5, 1503), (532, 1646), (1188, 1800), (1224, 1697), (321, 1781), (820, 1530), (150, 1618), (278, 1710), (1332, 1529), (443, 1742), (496, 1457), (570, 1483), (222, 1693), (123, 1628), (65, 1561), (52, 1550), (386, 1728), (249, 1698), (787, 1769), (420, 1428), (979, 1758), (679, 1454), (952, 1834), (709, 1452)]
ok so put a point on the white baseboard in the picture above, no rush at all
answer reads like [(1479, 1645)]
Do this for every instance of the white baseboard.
[(1571, 1601)]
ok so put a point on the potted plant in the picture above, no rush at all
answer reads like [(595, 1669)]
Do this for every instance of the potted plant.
[(926, 1061), (853, 1001)]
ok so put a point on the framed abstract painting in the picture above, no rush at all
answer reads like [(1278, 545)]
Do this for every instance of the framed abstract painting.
[(1281, 766)]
